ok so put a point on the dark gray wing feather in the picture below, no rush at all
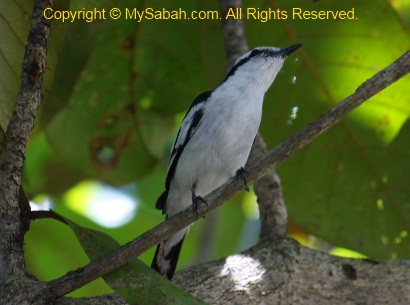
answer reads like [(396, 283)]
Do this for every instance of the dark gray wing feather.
[(187, 129)]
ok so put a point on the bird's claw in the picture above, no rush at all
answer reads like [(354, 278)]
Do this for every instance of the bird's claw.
[(241, 174), (196, 200)]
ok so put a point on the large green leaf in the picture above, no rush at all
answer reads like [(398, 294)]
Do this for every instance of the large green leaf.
[(109, 121), (51, 250), (15, 20), (95, 132), (349, 186), (135, 282), (44, 172)]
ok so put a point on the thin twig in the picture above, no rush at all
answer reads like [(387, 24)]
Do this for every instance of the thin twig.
[(43, 214), (124, 254)]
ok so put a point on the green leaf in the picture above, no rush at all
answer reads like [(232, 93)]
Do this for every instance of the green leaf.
[(98, 126), (15, 20), (135, 282), (177, 60), (348, 186), (51, 250), (403, 10), (114, 119)]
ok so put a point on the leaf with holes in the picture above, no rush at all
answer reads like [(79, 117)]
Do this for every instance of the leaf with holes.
[(121, 84)]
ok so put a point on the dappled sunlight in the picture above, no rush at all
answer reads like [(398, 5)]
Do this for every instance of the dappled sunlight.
[(249, 206), (319, 244), (346, 253), (384, 120), (105, 205), (40, 203), (293, 115), (402, 235), (243, 269)]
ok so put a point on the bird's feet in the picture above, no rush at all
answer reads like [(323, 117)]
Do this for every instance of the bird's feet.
[(241, 174), (196, 200)]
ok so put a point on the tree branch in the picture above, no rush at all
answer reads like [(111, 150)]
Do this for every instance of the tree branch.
[(272, 209), (273, 214), (17, 134), (286, 272), (124, 254), (233, 32)]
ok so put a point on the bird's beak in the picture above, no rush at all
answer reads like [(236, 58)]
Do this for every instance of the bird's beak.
[(287, 51)]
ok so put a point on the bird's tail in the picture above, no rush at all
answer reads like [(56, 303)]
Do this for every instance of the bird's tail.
[(167, 253)]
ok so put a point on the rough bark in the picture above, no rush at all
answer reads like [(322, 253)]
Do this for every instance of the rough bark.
[(13, 227), (288, 273), (273, 214)]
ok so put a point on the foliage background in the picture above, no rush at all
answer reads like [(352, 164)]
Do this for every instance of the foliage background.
[(115, 92)]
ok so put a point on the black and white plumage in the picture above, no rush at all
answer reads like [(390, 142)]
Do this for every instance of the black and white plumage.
[(215, 139)]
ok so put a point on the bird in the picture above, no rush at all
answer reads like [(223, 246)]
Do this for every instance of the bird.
[(214, 140)]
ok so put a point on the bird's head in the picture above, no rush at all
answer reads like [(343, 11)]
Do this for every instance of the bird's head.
[(261, 63)]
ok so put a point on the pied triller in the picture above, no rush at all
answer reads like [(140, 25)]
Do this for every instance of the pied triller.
[(214, 140)]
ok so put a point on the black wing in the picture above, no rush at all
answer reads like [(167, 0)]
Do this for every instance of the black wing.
[(187, 129)]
